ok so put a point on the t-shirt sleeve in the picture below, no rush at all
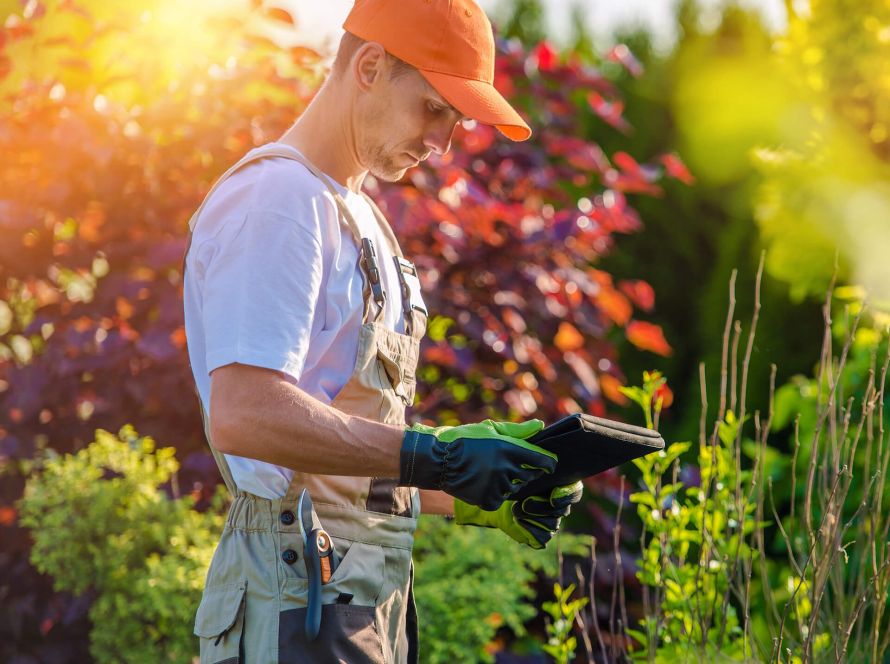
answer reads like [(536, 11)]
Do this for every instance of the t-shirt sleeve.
[(260, 293)]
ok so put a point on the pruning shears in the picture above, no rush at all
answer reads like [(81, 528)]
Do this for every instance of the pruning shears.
[(321, 561)]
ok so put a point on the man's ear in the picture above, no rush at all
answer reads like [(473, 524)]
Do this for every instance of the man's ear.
[(368, 64)]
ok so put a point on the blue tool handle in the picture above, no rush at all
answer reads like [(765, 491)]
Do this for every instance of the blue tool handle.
[(313, 567)]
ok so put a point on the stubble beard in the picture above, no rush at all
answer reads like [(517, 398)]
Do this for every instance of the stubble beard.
[(383, 167)]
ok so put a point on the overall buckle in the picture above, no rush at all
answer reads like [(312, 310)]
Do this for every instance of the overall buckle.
[(369, 258), (402, 266), (409, 281)]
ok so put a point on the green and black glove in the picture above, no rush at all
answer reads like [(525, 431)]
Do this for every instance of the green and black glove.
[(531, 521), (481, 464)]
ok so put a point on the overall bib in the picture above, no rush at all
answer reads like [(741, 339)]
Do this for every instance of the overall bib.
[(254, 603)]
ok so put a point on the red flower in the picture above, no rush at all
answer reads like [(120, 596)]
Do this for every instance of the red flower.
[(665, 394), (546, 56)]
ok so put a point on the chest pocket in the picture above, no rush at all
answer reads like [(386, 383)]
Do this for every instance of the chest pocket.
[(398, 374)]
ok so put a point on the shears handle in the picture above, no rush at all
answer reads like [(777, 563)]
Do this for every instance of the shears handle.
[(321, 561), (313, 567)]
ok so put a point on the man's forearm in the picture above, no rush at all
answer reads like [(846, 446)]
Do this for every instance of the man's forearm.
[(436, 502), (257, 414)]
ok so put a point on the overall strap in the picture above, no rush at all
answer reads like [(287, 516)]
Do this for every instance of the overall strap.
[(218, 456), (372, 284), (270, 150), (370, 279), (413, 324), (255, 155), (384, 225)]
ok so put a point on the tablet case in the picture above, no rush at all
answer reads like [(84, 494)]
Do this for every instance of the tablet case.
[(587, 445)]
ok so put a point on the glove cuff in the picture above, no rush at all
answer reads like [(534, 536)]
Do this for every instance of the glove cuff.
[(421, 460)]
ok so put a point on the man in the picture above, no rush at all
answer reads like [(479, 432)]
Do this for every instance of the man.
[(304, 324)]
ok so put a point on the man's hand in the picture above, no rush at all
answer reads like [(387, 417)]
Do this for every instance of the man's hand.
[(532, 521), (481, 464)]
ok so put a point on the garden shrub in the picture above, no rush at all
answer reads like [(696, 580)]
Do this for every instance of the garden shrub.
[(472, 581), (102, 523), (563, 611), (688, 547), (734, 569), (823, 202)]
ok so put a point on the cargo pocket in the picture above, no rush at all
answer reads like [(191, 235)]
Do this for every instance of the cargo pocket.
[(349, 630), (399, 378), (220, 622)]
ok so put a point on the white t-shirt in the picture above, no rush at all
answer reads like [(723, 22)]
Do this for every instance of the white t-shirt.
[(272, 280)]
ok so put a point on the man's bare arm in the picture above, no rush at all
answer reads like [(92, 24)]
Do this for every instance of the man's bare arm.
[(436, 502), (257, 413)]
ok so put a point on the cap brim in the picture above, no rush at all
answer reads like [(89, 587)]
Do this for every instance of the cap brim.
[(481, 102)]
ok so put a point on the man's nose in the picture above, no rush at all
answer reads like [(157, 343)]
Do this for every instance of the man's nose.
[(438, 140)]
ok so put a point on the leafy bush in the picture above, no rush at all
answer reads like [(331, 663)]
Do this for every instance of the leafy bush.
[(824, 197), (473, 581), (102, 524), (563, 612), (688, 547), (734, 570)]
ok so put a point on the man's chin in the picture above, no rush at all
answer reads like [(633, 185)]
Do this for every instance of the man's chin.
[(389, 175)]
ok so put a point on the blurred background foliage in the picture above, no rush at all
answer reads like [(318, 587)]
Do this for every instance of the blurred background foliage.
[(555, 268)]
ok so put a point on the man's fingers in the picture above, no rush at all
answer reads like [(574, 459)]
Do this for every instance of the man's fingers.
[(540, 532), (548, 523), (518, 429), (538, 506), (566, 495)]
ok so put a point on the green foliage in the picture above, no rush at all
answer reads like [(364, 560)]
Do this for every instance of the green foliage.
[(143, 555), (526, 21), (798, 402), (472, 581), (718, 118), (692, 536), (649, 397), (563, 612), (833, 593), (722, 581), (825, 191), (101, 523)]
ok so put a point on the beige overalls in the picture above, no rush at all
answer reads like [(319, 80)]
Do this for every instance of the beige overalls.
[(253, 608)]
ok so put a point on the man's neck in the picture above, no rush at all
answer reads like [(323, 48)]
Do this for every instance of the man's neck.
[(323, 133)]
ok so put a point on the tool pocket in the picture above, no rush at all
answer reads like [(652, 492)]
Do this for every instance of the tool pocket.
[(359, 575), (349, 630), (357, 580), (220, 623), (396, 376)]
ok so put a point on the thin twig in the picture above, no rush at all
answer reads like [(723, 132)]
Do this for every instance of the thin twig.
[(729, 316), (704, 405), (580, 620), (617, 579), (734, 365), (737, 442), (592, 593)]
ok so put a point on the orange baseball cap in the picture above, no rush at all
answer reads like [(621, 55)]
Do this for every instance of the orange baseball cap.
[(450, 42)]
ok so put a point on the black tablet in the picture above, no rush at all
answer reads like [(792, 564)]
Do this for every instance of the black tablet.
[(587, 445)]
